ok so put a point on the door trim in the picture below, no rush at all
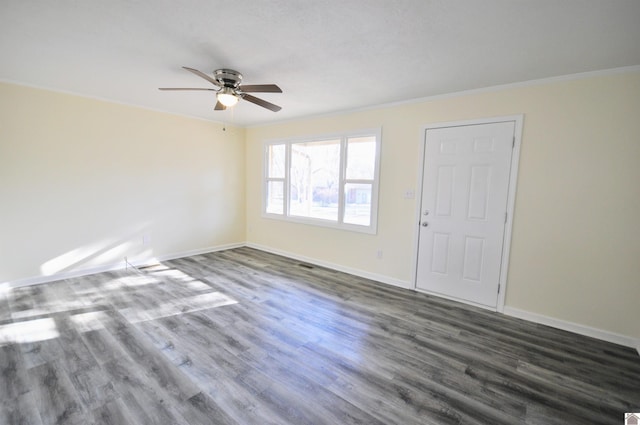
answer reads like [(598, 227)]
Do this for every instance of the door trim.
[(511, 197)]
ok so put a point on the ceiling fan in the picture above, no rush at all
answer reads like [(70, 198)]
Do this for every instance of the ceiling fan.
[(229, 89)]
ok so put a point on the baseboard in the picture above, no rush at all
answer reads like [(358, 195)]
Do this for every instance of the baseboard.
[(613, 337), (199, 251), (356, 272), (120, 265), (37, 280)]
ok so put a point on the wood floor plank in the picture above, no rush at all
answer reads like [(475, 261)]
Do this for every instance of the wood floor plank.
[(12, 370), (247, 337), (103, 346), (5, 311), (150, 362), (150, 408), (55, 397), (21, 410), (144, 397), (93, 386), (202, 409), (114, 412), (23, 302), (37, 352), (77, 355)]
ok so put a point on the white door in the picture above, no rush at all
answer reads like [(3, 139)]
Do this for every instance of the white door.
[(464, 204)]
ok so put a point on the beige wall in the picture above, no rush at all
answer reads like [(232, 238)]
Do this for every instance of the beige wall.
[(82, 181), (575, 252)]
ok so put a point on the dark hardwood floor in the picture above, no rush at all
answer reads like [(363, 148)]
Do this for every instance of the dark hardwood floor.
[(246, 337)]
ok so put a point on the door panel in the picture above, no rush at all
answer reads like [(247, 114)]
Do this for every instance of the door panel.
[(440, 253), (479, 186), (464, 202), (444, 193), (473, 259)]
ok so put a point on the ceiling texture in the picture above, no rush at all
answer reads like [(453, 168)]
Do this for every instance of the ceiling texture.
[(327, 56)]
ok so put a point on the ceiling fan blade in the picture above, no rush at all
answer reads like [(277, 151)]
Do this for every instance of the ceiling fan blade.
[(203, 75), (177, 88), (219, 107), (261, 88), (261, 102)]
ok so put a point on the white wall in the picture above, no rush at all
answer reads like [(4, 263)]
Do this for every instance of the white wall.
[(82, 181), (576, 237)]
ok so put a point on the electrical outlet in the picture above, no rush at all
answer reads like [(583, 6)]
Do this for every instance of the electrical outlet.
[(146, 239), (409, 194), (379, 254)]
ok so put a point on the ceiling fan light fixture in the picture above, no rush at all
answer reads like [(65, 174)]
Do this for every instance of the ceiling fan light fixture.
[(227, 97)]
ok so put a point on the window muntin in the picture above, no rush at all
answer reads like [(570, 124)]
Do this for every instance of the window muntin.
[(329, 181)]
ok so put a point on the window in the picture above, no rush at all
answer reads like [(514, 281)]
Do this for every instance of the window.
[(326, 180)]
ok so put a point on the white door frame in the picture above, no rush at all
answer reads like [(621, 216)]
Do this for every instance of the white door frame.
[(511, 198)]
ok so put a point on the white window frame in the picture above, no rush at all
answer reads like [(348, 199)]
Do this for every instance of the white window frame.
[(372, 228)]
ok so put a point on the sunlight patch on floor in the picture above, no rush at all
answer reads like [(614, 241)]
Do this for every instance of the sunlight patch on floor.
[(180, 306), (91, 321), (28, 331)]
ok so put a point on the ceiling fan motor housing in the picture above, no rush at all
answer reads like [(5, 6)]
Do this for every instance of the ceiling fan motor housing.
[(228, 78)]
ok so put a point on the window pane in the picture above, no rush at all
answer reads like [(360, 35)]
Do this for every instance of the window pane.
[(275, 197), (276, 161), (314, 179), (361, 157), (357, 204)]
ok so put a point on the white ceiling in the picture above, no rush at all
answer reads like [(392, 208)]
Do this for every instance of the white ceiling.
[(326, 55)]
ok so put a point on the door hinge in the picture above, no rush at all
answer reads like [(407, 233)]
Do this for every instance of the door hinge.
[(506, 214), (513, 145), (498, 288)]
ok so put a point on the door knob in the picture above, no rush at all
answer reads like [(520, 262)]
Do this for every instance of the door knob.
[(425, 224)]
